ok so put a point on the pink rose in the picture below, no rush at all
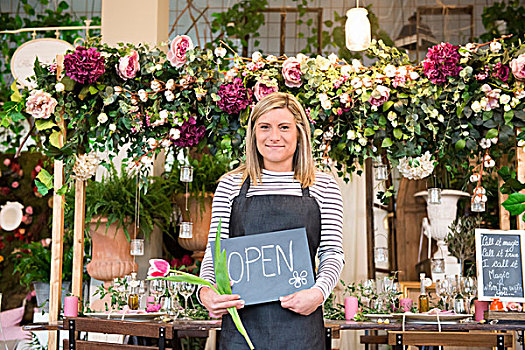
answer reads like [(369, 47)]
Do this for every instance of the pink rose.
[(518, 67), (379, 96), (40, 104), (38, 168), (29, 210), (178, 48), (158, 268), (261, 89), (128, 66), (15, 184), (292, 72), (7, 162)]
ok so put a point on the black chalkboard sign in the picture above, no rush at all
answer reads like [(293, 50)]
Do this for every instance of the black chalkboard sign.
[(500, 262), (266, 266)]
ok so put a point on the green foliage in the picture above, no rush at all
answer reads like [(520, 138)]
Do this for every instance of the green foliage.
[(461, 238), (333, 310), (33, 262), (114, 198), (118, 298), (509, 15)]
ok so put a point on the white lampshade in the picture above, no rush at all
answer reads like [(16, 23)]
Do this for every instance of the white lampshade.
[(358, 33)]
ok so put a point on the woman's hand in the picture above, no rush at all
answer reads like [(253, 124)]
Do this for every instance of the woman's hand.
[(303, 302), (218, 304)]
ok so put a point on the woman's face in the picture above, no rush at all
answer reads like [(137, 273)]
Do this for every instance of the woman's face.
[(276, 136)]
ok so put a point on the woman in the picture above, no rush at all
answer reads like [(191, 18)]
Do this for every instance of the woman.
[(278, 188)]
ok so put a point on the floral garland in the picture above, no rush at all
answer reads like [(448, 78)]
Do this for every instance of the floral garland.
[(444, 108)]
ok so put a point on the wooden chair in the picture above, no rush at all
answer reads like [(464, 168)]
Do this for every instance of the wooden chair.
[(497, 339)]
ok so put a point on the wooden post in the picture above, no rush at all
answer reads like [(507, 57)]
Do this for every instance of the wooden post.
[(504, 215), (55, 285), (78, 240), (520, 167)]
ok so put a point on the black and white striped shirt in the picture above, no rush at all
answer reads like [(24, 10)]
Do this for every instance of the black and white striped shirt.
[(328, 196)]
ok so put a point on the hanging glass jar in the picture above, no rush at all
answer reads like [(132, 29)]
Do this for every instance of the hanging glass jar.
[(434, 195), (186, 173), (186, 229)]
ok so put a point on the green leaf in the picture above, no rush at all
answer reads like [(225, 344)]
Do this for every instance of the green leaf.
[(44, 124), (54, 139), (492, 133), (42, 189), (369, 132), (508, 116), (93, 90), (386, 143), (398, 133), (46, 178), (460, 145), (62, 190), (515, 204), (69, 83), (387, 105), (15, 96)]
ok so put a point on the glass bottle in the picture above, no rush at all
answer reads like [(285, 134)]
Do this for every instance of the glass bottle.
[(459, 300), (423, 297), (133, 297)]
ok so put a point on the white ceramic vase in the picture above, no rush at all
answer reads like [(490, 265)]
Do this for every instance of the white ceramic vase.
[(440, 217)]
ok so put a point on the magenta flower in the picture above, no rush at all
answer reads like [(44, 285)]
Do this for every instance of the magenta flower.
[(128, 66), (190, 133), (518, 67), (158, 268), (292, 72), (501, 71), (441, 62), (84, 65), (235, 97)]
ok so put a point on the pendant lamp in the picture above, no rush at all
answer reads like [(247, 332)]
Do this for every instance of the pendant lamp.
[(358, 33)]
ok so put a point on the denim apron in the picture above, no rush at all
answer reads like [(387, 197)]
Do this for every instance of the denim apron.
[(269, 325)]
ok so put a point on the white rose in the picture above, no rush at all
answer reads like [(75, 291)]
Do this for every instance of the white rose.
[(504, 99), (220, 52), (256, 56), (495, 46), (357, 64), (333, 58), (390, 70), (112, 127), (322, 97), (174, 133), (102, 118), (59, 87)]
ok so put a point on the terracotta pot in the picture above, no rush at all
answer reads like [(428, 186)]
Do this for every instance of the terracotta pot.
[(111, 256), (199, 213)]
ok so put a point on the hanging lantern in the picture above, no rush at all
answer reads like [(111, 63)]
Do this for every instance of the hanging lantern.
[(434, 195), (186, 173), (186, 229), (358, 33), (381, 171)]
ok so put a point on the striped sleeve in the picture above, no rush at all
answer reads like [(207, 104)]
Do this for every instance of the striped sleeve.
[(330, 253), (227, 189)]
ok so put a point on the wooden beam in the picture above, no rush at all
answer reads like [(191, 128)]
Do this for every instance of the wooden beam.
[(78, 240), (504, 215), (370, 233), (57, 235), (520, 168)]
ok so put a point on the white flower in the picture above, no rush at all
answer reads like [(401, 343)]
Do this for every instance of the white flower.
[(152, 142), (519, 94), (351, 135), (356, 83), (362, 141), (170, 84), (326, 104), (158, 66), (413, 75), (521, 143), (165, 143), (85, 166), (344, 98), (59, 87), (507, 108), (143, 95), (302, 57), (367, 82), (390, 70), (333, 58), (504, 99), (112, 127), (357, 148), (494, 140), (488, 162), (322, 97), (102, 118), (514, 102), (465, 133), (256, 56), (474, 177), (495, 46), (220, 52), (484, 143), (156, 85), (357, 64), (169, 95), (322, 63), (163, 115), (470, 46), (416, 168), (271, 58), (346, 70), (391, 115), (174, 133)]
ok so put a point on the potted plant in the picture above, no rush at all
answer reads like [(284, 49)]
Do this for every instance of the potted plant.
[(194, 198), (110, 215), (33, 262)]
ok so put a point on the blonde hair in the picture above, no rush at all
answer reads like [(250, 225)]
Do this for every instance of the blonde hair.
[(303, 162)]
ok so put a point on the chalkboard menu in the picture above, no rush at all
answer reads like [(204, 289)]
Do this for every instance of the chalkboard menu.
[(500, 262)]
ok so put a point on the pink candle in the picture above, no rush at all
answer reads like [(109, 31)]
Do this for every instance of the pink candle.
[(150, 300), (351, 306), (71, 306), (405, 304), (479, 308)]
